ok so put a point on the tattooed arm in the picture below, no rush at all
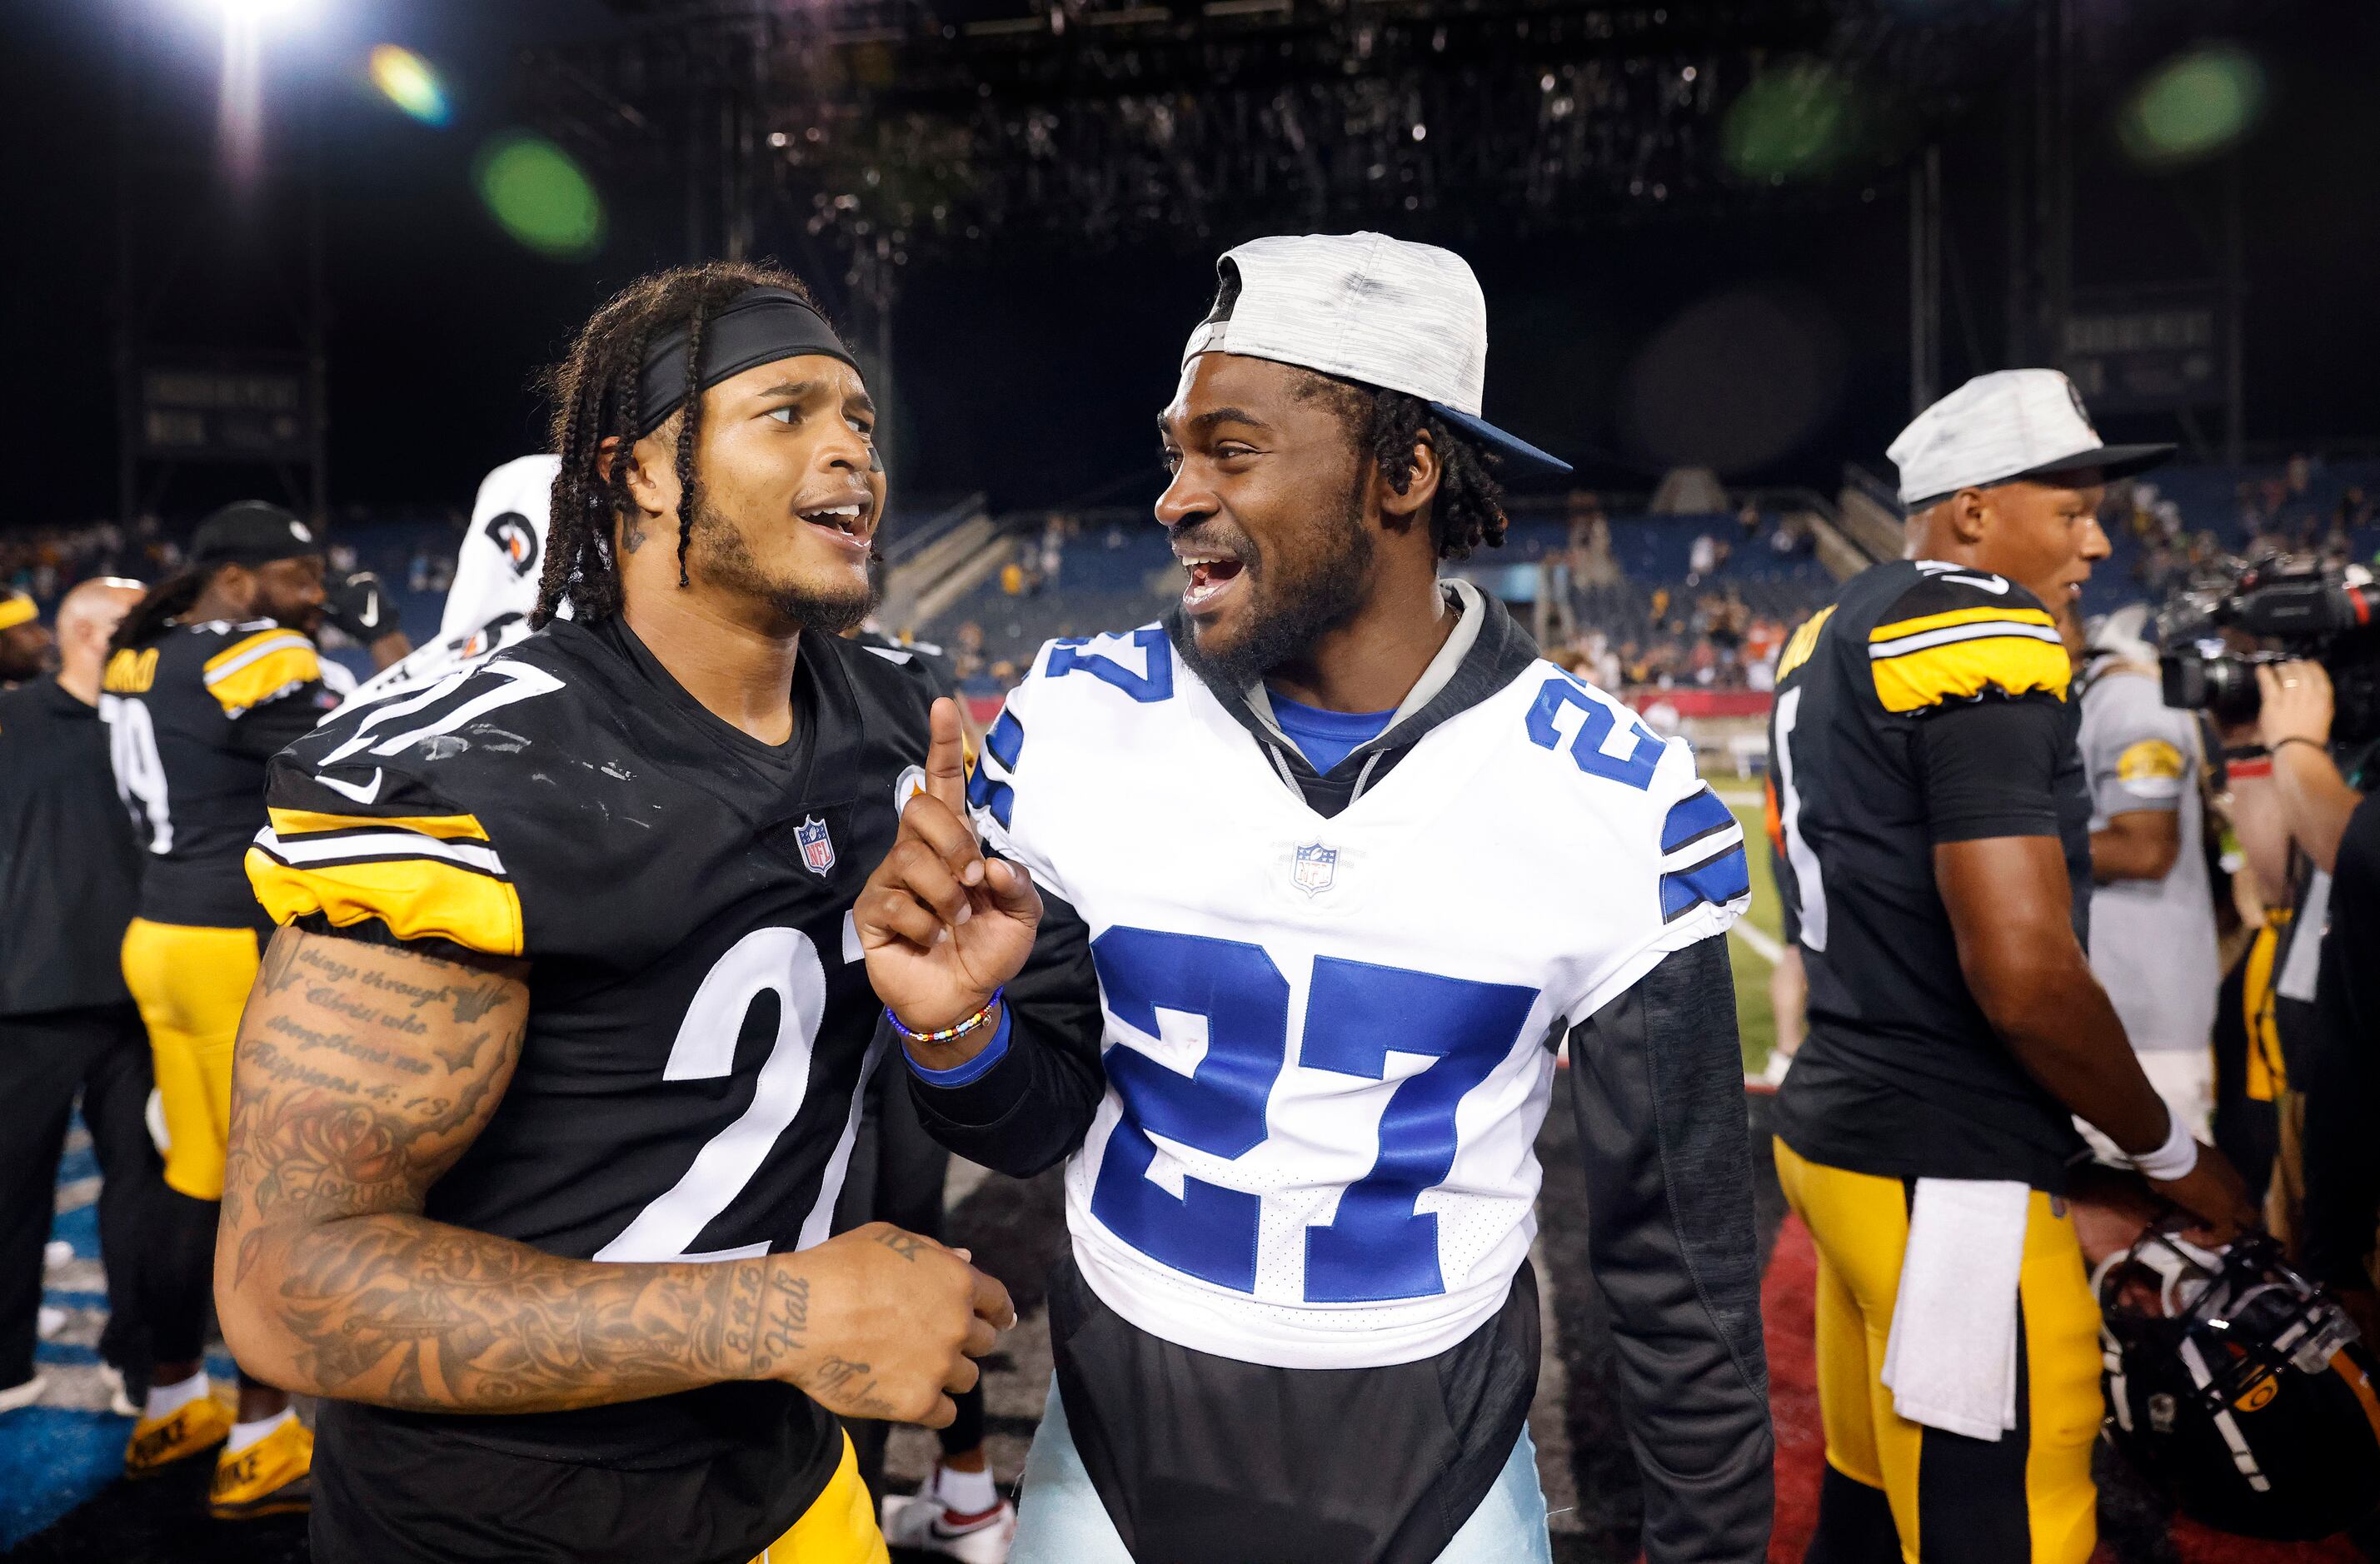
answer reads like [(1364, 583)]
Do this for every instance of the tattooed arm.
[(362, 1072)]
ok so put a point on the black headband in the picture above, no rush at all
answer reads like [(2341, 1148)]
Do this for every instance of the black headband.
[(762, 326)]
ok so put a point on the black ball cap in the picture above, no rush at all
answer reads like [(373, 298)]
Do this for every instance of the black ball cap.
[(252, 532)]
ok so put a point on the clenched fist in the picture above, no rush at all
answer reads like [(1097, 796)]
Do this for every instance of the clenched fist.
[(882, 1323)]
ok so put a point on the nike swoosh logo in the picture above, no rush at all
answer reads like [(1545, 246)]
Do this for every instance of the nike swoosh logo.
[(367, 794)]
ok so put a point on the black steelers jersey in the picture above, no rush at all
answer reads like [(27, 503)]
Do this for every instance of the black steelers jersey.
[(1927, 705), (192, 718), (699, 1014)]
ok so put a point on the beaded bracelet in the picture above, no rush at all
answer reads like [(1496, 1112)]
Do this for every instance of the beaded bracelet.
[(948, 1033)]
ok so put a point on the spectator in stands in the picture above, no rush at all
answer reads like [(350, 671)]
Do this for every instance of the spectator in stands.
[(966, 649), (1602, 663), (2355, 509), (1702, 561), (1054, 548)]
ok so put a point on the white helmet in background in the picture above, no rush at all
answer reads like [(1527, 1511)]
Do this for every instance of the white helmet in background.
[(497, 568), (496, 572)]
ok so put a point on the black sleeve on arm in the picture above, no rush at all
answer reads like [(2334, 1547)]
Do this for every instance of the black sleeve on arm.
[(267, 729), (1656, 1082), (1032, 1108), (1989, 767)]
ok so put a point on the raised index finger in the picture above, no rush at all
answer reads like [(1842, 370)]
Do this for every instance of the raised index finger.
[(946, 757)]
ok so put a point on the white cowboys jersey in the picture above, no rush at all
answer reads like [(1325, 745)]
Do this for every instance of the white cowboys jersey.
[(1325, 1039)]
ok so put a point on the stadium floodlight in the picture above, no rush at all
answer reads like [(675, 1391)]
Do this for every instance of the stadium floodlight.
[(241, 110), (256, 12)]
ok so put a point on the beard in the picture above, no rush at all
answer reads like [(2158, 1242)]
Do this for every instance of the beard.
[(1295, 599), (20, 663), (723, 557)]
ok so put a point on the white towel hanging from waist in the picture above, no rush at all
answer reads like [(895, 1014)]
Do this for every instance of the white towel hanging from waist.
[(1951, 1360)]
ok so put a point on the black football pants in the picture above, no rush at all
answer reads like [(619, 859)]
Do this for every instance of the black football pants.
[(45, 1061)]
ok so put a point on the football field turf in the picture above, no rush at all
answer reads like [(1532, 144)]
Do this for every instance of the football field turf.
[(1756, 1019)]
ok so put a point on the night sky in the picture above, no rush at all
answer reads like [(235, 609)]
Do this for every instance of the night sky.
[(1033, 372)]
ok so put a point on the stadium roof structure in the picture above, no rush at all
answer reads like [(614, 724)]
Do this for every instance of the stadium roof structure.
[(885, 129)]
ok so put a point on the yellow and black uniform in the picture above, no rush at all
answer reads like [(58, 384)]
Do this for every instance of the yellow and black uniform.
[(1928, 705), (192, 718), (699, 1023)]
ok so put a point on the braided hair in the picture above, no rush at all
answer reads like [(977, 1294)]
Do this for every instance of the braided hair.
[(595, 392), (1468, 510), (159, 606)]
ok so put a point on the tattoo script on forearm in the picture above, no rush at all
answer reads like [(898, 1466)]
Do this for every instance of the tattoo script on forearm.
[(362, 1073)]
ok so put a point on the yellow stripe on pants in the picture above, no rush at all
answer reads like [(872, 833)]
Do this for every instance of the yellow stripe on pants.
[(191, 985), (1859, 1223), (838, 1528)]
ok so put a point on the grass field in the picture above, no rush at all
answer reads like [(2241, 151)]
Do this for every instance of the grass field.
[(1756, 1020)]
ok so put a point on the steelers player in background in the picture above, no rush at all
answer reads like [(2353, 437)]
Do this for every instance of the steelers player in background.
[(70, 872), (547, 1088), (211, 671), (1937, 860)]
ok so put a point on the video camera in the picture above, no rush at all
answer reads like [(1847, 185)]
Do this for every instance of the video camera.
[(2301, 609)]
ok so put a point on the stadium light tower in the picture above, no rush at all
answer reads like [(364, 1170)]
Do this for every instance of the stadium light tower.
[(220, 298)]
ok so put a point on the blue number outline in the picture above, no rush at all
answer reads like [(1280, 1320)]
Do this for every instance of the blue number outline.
[(1586, 750), (1218, 1107), (1376, 1245), (1066, 656)]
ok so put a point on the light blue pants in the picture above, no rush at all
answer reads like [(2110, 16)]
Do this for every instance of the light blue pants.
[(1061, 1520)]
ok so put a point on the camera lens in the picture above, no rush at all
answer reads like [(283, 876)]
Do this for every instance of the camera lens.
[(2232, 692)]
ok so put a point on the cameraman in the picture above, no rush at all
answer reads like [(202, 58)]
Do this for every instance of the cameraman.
[(2334, 1071)]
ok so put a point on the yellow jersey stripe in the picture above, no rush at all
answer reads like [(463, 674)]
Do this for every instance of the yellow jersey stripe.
[(1804, 641), (261, 671), (249, 647), (446, 828), (417, 898), (1925, 621), (1962, 669), (17, 609)]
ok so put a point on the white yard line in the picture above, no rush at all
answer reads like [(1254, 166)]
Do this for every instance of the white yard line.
[(1759, 941)]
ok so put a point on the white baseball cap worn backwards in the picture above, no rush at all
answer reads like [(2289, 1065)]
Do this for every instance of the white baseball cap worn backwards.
[(1366, 307), (2001, 427)]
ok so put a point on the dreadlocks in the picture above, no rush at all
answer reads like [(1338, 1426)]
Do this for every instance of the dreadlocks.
[(595, 394), (1469, 508), (159, 606)]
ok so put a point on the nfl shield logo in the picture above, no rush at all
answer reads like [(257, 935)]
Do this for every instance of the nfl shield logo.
[(818, 847), (1316, 866)]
